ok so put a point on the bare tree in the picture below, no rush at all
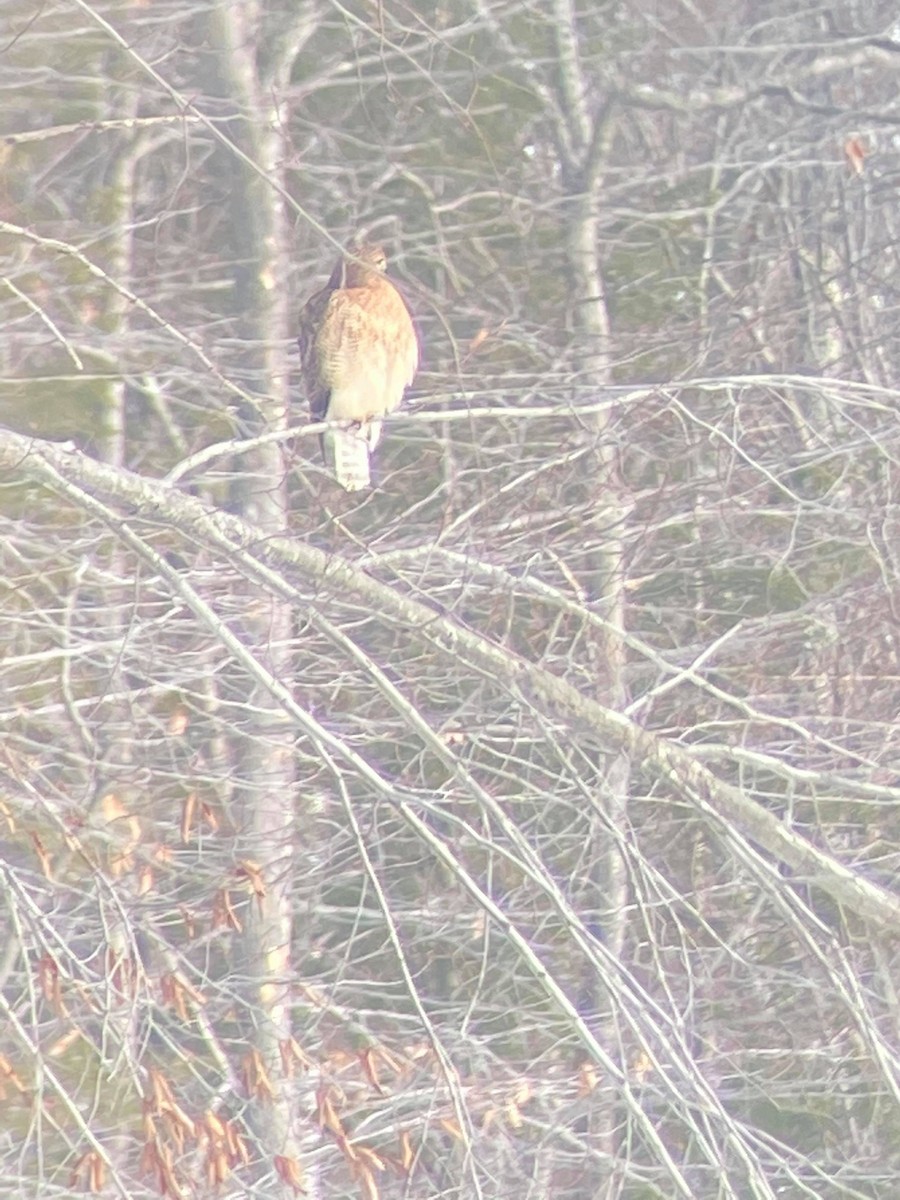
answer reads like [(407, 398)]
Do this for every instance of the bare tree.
[(527, 824)]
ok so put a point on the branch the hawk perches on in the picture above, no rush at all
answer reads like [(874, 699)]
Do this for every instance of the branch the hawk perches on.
[(359, 353)]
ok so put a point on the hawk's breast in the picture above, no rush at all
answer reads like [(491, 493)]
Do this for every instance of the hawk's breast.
[(366, 351)]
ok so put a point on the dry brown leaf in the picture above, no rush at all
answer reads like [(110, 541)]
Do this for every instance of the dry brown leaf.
[(369, 1064), (89, 1172), (179, 720), (292, 1054), (213, 1125), (6, 813), (177, 991), (188, 809), (513, 1116), (290, 1172), (256, 1077), (62, 1044), (392, 1063), (587, 1079), (326, 1114), (451, 1125), (147, 1161), (480, 337), (43, 856), (8, 1074), (369, 1187), (237, 1147), (253, 873), (855, 149), (346, 1147), (367, 1157), (219, 1167), (407, 1156), (48, 975), (125, 829), (642, 1066), (160, 1091), (97, 1176), (224, 915), (177, 1120)]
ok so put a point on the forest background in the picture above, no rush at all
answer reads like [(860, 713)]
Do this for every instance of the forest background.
[(528, 826)]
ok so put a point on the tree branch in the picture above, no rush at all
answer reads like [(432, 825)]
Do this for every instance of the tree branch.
[(727, 807)]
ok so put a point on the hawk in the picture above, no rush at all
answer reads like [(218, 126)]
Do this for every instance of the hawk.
[(359, 353)]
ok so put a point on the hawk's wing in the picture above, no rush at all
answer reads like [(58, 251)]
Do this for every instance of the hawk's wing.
[(360, 352), (310, 324)]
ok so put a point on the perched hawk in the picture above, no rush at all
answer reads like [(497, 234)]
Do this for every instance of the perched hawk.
[(359, 353)]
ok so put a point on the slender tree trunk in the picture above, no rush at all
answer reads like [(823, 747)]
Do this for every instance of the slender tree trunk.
[(262, 757), (582, 138)]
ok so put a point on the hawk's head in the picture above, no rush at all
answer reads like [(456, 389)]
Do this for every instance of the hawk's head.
[(364, 264)]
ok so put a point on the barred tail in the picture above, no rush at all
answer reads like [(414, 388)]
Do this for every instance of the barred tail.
[(347, 455)]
